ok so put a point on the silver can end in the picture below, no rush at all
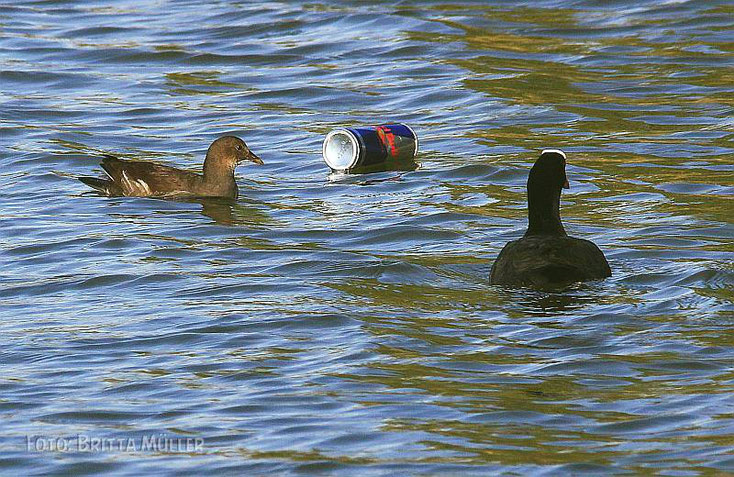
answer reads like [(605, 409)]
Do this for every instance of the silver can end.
[(340, 149)]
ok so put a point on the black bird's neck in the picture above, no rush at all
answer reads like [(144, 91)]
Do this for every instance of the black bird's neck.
[(544, 216)]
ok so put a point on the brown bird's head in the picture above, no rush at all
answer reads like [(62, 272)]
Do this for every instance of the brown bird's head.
[(228, 151)]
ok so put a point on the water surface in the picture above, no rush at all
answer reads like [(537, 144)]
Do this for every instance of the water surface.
[(341, 326)]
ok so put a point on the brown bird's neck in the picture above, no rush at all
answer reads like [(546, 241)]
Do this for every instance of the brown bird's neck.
[(544, 216), (219, 179)]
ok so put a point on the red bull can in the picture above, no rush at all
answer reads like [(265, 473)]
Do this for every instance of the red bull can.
[(370, 149)]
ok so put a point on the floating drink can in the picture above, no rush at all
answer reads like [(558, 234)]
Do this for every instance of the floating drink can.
[(369, 149)]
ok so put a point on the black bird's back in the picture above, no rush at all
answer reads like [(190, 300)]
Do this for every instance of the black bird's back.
[(547, 261)]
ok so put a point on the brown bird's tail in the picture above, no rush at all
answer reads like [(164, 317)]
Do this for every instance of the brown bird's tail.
[(104, 186)]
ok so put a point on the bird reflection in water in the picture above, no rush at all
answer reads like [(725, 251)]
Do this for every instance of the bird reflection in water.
[(560, 300), (231, 212)]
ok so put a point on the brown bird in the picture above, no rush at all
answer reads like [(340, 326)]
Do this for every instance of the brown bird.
[(148, 179), (546, 257)]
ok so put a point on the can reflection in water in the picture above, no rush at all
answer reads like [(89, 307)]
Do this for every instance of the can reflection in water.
[(371, 149)]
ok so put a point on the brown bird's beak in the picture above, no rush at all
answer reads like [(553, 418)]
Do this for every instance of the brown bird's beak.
[(565, 184), (252, 157)]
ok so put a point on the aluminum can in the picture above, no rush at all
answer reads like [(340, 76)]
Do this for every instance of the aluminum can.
[(369, 149)]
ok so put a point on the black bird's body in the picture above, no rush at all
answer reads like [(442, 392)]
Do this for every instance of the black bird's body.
[(547, 262), (148, 179), (546, 257)]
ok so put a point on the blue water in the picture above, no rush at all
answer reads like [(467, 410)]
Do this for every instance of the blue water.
[(346, 325)]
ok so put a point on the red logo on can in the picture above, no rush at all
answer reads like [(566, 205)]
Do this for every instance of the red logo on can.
[(388, 139)]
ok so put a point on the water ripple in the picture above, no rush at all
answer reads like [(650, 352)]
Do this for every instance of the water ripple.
[(338, 325)]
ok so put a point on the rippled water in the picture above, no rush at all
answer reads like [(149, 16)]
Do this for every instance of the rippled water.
[(342, 326)]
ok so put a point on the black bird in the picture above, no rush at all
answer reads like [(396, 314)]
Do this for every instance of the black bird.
[(148, 179), (546, 257)]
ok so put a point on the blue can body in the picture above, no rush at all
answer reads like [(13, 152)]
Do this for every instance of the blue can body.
[(366, 149)]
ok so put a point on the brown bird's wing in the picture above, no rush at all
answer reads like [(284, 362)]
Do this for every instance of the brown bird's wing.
[(148, 179)]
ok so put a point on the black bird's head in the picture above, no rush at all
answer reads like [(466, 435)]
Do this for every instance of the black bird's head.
[(548, 172)]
